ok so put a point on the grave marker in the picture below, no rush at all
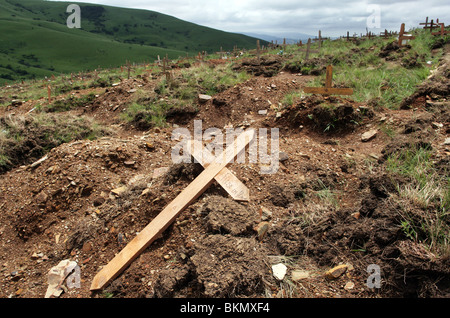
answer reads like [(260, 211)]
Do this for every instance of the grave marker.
[(328, 89), (442, 30), (308, 49), (403, 35), (162, 221)]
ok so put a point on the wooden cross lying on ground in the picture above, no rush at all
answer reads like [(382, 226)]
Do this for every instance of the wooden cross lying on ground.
[(162, 221), (308, 49), (403, 35), (328, 90)]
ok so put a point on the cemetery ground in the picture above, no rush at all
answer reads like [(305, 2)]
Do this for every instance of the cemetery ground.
[(363, 179)]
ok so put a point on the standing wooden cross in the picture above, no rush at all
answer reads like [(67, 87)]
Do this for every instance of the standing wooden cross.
[(319, 39), (425, 23), (221, 53), (328, 89), (162, 221), (442, 31), (350, 37), (308, 49), (403, 35)]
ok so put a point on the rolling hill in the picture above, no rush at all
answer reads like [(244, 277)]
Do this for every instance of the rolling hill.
[(36, 41)]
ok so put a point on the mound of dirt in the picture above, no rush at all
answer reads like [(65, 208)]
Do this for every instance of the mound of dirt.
[(326, 114), (267, 65), (226, 262)]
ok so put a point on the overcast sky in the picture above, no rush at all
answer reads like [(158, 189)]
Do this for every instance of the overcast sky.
[(285, 18)]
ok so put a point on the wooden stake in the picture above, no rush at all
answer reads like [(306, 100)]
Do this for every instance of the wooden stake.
[(161, 222), (49, 93), (328, 89), (258, 50)]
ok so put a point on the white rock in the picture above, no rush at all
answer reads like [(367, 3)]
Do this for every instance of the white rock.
[(279, 271), (300, 274), (447, 141), (204, 98), (369, 135)]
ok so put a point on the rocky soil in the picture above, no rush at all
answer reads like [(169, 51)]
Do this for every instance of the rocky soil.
[(326, 214)]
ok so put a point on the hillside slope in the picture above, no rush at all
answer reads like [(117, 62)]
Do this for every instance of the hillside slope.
[(36, 42)]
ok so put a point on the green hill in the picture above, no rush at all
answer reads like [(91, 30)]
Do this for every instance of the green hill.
[(35, 40)]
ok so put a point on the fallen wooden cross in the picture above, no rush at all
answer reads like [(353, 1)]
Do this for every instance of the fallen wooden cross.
[(404, 36), (161, 222), (328, 89), (308, 49), (225, 177)]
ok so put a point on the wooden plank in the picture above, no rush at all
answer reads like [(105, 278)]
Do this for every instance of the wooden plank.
[(328, 91), (124, 258), (329, 76), (225, 177)]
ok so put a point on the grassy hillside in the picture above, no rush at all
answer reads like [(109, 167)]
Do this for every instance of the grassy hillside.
[(36, 42)]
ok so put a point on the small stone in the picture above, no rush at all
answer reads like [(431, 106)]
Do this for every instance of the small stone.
[(279, 271), (204, 98), (262, 112), (283, 156), (129, 163), (119, 191), (356, 215), (335, 272), (299, 275), (447, 141), (369, 135), (349, 286)]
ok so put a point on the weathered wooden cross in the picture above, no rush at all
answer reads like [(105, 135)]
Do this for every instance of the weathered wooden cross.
[(162, 221), (350, 37), (308, 49), (425, 23), (221, 53), (403, 35), (328, 89), (442, 31), (319, 39)]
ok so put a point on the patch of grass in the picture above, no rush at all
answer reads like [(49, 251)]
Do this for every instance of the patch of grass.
[(213, 80), (290, 98), (68, 104), (424, 200), (27, 138)]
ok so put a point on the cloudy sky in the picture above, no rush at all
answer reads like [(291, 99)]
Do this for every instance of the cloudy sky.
[(285, 18)]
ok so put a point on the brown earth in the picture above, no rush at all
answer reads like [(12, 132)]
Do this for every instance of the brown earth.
[(64, 207)]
